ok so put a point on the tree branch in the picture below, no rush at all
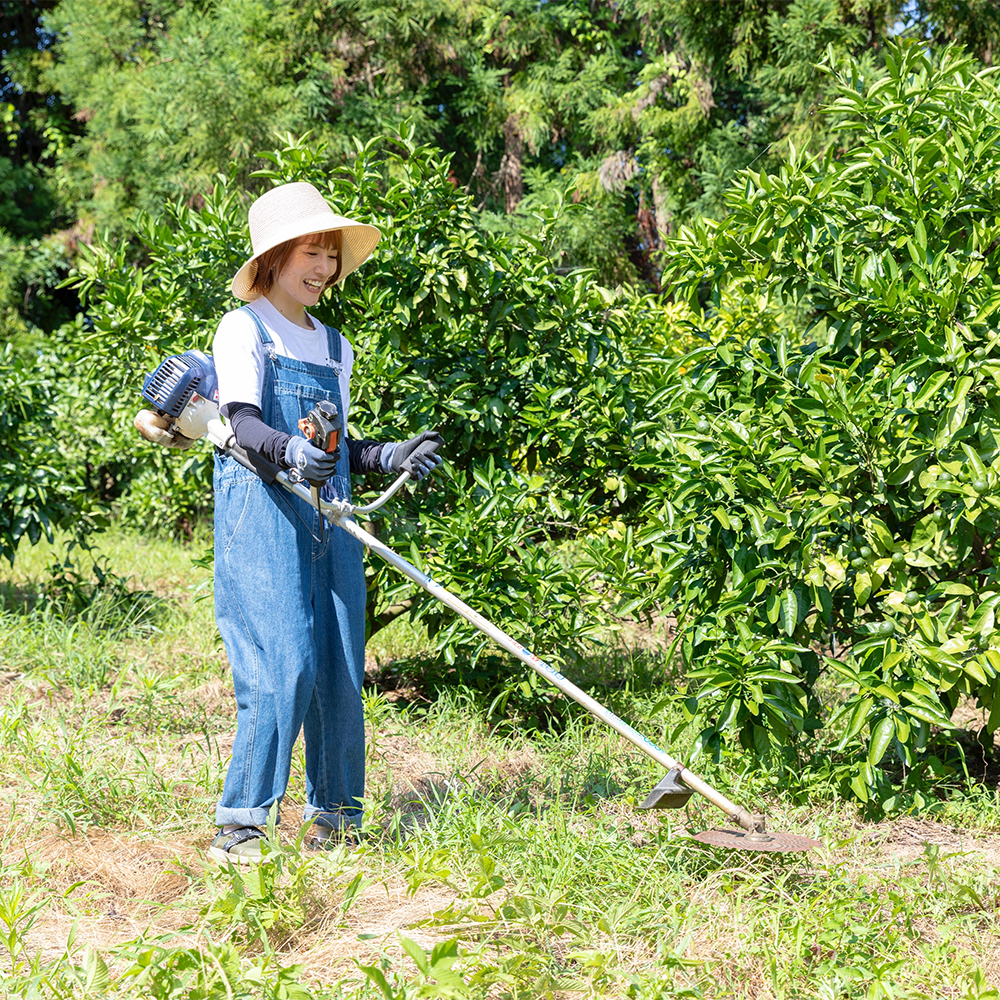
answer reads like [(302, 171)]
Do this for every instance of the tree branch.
[(387, 617)]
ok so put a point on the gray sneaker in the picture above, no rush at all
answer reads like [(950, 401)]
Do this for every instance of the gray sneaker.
[(325, 838), (238, 847)]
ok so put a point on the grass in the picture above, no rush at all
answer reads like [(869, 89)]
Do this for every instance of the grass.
[(496, 863)]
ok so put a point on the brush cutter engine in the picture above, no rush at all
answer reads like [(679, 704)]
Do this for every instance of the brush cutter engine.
[(185, 390)]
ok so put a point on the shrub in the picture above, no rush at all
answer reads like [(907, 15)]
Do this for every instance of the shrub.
[(530, 376), (831, 491)]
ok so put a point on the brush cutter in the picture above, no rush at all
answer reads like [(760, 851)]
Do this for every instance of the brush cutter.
[(183, 391)]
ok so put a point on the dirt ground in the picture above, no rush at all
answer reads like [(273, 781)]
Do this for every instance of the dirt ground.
[(118, 886)]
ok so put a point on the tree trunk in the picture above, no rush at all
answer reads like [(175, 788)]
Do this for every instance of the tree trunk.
[(664, 222), (509, 175)]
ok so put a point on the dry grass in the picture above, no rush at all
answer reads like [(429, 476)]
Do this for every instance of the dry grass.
[(527, 850)]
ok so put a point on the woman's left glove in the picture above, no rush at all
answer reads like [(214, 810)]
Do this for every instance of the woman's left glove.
[(418, 456)]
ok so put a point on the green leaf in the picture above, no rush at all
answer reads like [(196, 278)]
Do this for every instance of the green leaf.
[(978, 469), (882, 736), (375, 974), (953, 418), (772, 608), (859, 716), (98, 978), (789, 611), (994, 719), (823, 599)]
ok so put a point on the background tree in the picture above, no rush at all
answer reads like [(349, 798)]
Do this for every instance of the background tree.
[(638, 113), (974, 24), (829, 494)]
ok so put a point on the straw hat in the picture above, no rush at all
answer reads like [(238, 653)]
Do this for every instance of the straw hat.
[(293, 210)]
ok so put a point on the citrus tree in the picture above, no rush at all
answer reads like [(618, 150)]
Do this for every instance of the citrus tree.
[(830, 489), (530, 376), (39, 490)]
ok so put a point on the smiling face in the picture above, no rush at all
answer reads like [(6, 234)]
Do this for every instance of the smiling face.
[(294, 275)]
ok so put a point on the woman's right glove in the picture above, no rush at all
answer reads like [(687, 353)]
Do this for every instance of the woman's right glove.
[(314, 465), (418, 456)]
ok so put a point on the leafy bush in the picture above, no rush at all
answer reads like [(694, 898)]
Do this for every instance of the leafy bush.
[(831, 487), (38, 491), (531, 377)]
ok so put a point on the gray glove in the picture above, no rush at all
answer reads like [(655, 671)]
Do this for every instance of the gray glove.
[(418, 456), (314, 465)]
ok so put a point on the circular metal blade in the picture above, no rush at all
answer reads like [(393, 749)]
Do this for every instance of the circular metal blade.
[(741, 840)]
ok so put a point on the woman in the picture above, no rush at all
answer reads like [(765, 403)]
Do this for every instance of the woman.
[(290, 598)]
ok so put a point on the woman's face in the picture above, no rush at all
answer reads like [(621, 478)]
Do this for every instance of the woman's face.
[(305, 274)]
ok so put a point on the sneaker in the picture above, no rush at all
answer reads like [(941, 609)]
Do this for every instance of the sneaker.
[(325, 838), (239, 847)]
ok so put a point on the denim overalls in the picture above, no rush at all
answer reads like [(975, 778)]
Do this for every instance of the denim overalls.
[(292, 615)]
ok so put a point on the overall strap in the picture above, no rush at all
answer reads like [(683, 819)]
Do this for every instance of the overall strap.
[(265, 337), (333, 344)]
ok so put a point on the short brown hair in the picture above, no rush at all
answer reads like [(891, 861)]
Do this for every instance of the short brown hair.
[(270, 262)]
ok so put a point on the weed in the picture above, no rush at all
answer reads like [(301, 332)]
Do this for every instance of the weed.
[(523, 859), (265, 904), (437, 976), (18, 911)]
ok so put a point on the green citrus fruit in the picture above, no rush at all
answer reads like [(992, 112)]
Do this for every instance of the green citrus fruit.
[(912, 598), (858, 563), (703, 427), (898, 559), (865, 552), (939, 516), (886, 628), (979, 353), (946, 477), (981, 485)]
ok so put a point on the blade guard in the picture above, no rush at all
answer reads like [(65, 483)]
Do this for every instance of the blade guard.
[(670, 793)]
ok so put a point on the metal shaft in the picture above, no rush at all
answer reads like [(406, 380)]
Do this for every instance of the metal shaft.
[(345, 521)]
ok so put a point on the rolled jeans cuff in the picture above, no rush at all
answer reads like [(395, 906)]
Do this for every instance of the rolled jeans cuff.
[(342, 819), (245, 817)]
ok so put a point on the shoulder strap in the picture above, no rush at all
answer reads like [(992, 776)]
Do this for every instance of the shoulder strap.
[(265, 337), (333, 344)]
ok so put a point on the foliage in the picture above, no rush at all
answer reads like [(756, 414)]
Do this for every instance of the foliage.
[(37, 491), (829, 497), (530, 377), (529, 99), (27, 206), (972, 23)]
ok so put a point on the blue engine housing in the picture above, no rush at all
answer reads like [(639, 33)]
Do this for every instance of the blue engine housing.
[(177, 379)]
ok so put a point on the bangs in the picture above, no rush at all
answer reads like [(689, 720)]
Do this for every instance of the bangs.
[(329, 240)]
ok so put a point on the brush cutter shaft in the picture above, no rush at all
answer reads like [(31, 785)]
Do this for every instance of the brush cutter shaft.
[(342, 513), (343, 519), (544, 670)]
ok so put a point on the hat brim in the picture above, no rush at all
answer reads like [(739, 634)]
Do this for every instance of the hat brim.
[(358, 240)]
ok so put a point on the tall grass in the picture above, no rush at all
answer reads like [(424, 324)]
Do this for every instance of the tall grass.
[(497, 861)]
